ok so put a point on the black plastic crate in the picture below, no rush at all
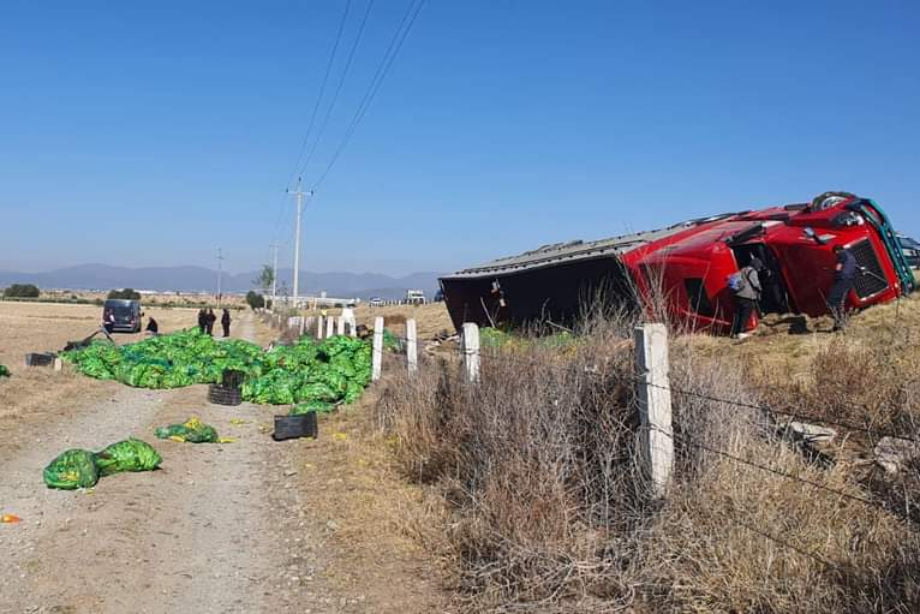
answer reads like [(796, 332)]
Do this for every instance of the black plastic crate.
[(292, 427)]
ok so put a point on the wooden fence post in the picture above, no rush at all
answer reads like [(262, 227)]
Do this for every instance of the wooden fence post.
[(378, 349), (656, 441), (412, 346), (471, 351), (330, 326)]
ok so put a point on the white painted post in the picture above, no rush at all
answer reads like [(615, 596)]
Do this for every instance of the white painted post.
[(471, 351), (656, 442), (378, 349), (319, 327), (303, 325), (330, 327), (58, 364), (353, 328), (412, 346), (340, 325)]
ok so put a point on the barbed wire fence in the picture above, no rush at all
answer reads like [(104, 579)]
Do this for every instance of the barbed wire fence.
[(657, 437)]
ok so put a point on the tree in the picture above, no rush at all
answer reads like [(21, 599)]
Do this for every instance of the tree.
[(22, 291), (127, 293), (255, 300), (266, 278)]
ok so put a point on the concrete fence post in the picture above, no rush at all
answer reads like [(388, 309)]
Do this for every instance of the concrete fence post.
[(330, 327), (412, 346), (303, 325), (656, 443), (470, 345), (378, 349), (319, 327), (340, 325)]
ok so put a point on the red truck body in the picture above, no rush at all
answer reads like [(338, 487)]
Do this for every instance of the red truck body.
[(686, 266)]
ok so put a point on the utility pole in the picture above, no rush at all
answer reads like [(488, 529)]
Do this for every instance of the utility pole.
[(274, 247), (220, 271), (298, 199)]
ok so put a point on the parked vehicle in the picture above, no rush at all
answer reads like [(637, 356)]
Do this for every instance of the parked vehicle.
[(683, 269), (375, 301), (125, 315), (911, 249)]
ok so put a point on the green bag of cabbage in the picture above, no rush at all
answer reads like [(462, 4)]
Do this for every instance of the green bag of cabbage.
[(72, 469), (78, 468), (128, 455)]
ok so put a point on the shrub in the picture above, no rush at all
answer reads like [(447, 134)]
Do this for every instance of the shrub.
[(255, 300), (127, 293), (22, 291)]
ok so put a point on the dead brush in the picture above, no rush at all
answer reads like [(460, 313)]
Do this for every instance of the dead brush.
[(548, 511)]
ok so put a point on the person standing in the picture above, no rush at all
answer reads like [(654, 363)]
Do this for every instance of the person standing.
[(209, 319), (844, 278), (745, 284), (225, 322), (202, 320), (152, 327)]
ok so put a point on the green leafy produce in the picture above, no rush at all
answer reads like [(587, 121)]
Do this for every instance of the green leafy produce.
[(319, 407), (4, 372), (128, 455), (192, 430), (334, 370), (73, 469)]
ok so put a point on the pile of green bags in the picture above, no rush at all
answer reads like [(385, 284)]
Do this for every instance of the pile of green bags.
[(78, 468), (331, 371), (192, 430)]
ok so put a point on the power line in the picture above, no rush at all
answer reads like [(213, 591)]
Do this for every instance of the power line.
[(338, 89), (399, 37), (322, 90)]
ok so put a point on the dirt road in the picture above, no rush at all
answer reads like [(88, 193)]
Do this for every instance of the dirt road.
[(220, 528)]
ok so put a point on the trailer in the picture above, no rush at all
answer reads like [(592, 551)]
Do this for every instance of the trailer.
[(685, 268)]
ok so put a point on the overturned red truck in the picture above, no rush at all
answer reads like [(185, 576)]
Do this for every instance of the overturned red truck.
[(687, 266)]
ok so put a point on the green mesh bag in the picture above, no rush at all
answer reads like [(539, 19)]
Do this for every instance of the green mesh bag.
[(73, 469)]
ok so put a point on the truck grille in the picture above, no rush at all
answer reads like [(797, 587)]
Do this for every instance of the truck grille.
[(871, 280)]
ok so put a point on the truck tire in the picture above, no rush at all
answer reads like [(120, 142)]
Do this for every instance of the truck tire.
[(224, 395)]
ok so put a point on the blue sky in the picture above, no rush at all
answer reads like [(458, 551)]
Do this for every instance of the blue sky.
[(152, 134)]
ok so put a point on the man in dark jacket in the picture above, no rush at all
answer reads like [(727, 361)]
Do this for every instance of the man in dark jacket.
[(845, 272), (202, 320), (209, 320), (225, 322)]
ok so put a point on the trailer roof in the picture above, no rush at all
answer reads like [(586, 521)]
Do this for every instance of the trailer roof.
[(573, 251)]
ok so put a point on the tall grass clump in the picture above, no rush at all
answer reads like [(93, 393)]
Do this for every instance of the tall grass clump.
[(548, 510)]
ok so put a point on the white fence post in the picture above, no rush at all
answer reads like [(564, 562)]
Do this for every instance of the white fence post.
[(330, 327), (319, 327), (378, 348), (303, 325), (471, 351), (412, 346), (340, 325), (656, 435)]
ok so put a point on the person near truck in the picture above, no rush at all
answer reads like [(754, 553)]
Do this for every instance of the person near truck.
[(209, 320), (747, 289), (225, 322), (845, 272), (152, 327)]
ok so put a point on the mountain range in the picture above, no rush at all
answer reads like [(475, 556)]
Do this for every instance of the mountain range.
[(200, 279)]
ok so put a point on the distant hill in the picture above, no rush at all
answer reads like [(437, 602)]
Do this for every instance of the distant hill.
[(200, 279)]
